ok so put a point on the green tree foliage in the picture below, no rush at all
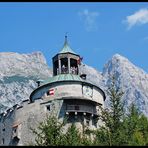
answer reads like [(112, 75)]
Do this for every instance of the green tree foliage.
[(75, 138), (112, 117), (102, 137), (143, 125), (72, 136), (135, 127), (120, 128), (49, 132)]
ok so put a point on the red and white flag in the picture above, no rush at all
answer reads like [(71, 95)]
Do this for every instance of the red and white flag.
[(79, 60), (51, 91)]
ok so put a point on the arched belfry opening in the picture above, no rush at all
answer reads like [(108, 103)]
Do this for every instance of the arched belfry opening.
[(66, 61)]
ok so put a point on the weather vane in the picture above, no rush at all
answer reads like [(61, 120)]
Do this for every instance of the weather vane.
[(66, 37), (66, 34)]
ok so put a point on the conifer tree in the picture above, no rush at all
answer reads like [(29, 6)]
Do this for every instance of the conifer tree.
[(49, 132), (72, 136), (112, 117), (135, 127)]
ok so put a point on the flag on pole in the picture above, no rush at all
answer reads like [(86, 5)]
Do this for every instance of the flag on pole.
[(79, 60), (51, 91)]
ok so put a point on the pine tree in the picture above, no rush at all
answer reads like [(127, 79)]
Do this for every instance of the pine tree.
[(135, 127), (112, 117), (143, 125), (52, 132), (49, 132), (72, 136)]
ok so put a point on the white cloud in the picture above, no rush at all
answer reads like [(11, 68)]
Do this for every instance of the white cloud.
[(89, 19), (138, 18)]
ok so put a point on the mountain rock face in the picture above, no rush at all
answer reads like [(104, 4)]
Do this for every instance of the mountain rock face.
[(132, 80), (18, 76), (19, 73), (92, 75), (23, 64)]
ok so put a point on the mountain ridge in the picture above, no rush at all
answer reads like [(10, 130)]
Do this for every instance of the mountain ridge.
[(18, 78)]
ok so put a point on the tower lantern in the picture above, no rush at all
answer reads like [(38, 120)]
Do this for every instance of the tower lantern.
[(66, 61)]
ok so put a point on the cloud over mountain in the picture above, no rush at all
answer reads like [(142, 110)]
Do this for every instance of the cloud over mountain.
[(138, 18)]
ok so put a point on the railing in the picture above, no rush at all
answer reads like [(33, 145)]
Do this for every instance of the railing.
[(73, 70), (65, 70), (81, 108)]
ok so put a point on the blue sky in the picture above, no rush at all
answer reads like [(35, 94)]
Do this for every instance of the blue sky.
[(96, 30)]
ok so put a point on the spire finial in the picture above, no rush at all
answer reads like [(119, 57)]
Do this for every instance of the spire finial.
[(65, 38)]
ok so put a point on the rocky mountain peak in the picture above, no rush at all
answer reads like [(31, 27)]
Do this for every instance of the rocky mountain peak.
[(132, 79), (33, 64), (18, 76)]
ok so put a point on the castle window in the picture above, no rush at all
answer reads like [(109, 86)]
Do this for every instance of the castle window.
[(48, 108), (87, 122), (47, 93), (64, 65), (76, 107), (73, 66), (71, 118), (3, 129), (94, 122), (15, 130), (3, 141)]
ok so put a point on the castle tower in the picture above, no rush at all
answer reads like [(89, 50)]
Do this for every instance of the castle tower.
[(66, 94), (79, 99)]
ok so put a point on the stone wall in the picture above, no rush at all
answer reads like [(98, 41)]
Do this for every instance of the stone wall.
[(6, 122), (68, 89), (15, 127)]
